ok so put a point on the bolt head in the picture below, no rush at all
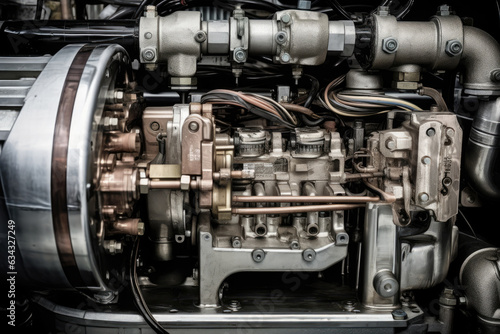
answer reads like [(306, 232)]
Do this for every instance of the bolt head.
[(285, 57), (423, 197), (426, 160), (495, 75), (240, 56), (453, 48), (148, 35), (430, 132), (390, 144), (286, 18), (140, 228), (155, 126), (281, 37), (193, 126), (148, 55), (200, 36), (294, 244), (390, 45), (399, 314), (309, 255)]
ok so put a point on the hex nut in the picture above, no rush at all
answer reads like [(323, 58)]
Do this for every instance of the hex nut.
[(239, 55), (140, 228), (144, 186), (453, 47), (185, 181), (390, 45), (183, 81)]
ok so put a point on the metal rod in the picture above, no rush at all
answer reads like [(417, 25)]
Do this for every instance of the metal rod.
[(170, 184), (295, 209), (305, 199)]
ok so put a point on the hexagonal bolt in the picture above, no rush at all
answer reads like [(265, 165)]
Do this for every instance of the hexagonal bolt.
[(281, 37), (383, 10), (399, 314), (390, 143), (443, 10), (144, 186), (453, 47), (294, 245), (423, 197), (200, 36), (239, 55), (148, 55), (309, 255), (194, 126), (236, 242), (285, 57), (390, 45), (185, 181), (258, 255), (286, 18)]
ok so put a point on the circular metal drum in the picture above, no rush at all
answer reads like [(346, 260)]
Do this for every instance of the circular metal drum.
[(52, 164)]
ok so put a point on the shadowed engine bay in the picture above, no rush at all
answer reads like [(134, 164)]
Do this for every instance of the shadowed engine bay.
[(250, 166)]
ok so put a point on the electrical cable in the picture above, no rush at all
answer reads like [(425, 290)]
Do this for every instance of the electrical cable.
[(139, 301)]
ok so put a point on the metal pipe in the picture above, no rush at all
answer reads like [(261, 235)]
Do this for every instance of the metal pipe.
[(305, 199), (481, 61), (66, 10), (483, 150), (295, 209), (170, 184)]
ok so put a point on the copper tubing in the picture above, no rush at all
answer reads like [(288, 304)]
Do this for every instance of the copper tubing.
[(131, 226), (299, 109), (358, 176), (305, 199), (438, 98), (295, 209)]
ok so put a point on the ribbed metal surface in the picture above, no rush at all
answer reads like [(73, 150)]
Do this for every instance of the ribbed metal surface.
[(17, 75), (211, 13)]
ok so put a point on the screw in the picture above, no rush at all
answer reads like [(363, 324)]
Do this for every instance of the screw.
[(281, 37), (430, 132), (453, 47), (148, 35), (285, 57), (234, 305), (399, 314), (200, 36), (426, 160), (294, 244), (389, 45), (424, 197), (148, 55), (193, 126), (285, 18), (155, 126), (206, 237), (309, 255), (390, 144), (240, 55)]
